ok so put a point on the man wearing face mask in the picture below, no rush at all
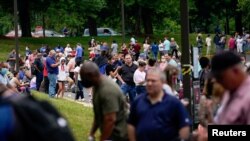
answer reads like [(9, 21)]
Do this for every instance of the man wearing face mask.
[(3, 75), (108, 103), (52, 66)]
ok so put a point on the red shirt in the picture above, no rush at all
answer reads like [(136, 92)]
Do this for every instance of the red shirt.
[(231, 43), (45, 71), (137, 48)]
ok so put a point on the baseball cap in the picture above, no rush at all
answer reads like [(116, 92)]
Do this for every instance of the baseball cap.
[(223, 61)]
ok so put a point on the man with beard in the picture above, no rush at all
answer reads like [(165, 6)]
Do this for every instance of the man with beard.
[(108, 103)]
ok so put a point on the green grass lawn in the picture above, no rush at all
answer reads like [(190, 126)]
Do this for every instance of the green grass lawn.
[(79, 117), (34, 43)]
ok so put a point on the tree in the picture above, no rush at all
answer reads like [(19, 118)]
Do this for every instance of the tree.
[(24, 16), (244, 6)]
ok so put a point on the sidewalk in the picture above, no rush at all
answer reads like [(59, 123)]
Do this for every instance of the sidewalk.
[(71, 97)]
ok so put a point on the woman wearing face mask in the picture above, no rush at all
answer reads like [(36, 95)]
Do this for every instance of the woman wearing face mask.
[(3, 75)]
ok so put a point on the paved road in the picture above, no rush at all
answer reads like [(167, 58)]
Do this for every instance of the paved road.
[(87, 98)]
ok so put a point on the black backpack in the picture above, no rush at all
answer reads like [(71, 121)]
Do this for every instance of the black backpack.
[(37, 121)]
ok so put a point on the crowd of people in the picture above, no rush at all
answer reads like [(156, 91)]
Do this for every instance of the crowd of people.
[(135, 95)]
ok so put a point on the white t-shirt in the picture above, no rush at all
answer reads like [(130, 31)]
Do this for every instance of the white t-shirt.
[(139, 77), (208, 41), (161, 47), (67, 51), (146, 47), (239, 42), (168, 90), (62, 75), (77, 70), (114, 47), (132, 40)]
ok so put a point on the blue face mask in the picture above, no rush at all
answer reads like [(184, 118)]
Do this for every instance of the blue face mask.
[(3, 71)]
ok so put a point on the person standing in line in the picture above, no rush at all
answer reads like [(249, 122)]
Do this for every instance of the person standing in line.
[(157, 116), (239, 43), (79, 91), (208, 44), (109, 105), (126, 77), (139, 78), (231, 43), (161, 48), (114, 48), (79, 52), (155, 50), (166, 45), (12, 60), (174, 47), (217, 42), (32, 57), (45, 76), (52, 66), (62, 77), (38, 64)]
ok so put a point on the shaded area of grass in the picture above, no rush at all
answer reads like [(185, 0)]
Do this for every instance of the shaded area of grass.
[(80, 118)]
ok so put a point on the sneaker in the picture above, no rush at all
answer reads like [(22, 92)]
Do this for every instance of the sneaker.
[(82, 100)]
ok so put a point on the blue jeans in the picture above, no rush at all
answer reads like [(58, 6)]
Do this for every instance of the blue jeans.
[(39, 79), (140, 90), (130, 90), (79, 92), (52, 84), (155, 55)]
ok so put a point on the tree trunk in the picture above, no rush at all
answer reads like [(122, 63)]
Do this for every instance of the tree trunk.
[(227, 25), (147, 21), (238, 17), (92, 26), (238, 22), (43, 18), (24, 16), (138, 20)]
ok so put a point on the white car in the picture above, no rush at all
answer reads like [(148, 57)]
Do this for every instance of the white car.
[(102, 32), (48, 33), (11, 34)]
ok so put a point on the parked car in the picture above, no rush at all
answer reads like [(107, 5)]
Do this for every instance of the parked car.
[(103, 32), (48, 33), (11, 34)]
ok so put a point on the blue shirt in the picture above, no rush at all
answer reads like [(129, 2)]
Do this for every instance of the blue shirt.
[(49, 62), (6, 121), (155, 48), (166, 45), (79, 51), (104, 48), (158, 122)]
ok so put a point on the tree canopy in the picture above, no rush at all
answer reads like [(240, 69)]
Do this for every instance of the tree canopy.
[(146, 17)]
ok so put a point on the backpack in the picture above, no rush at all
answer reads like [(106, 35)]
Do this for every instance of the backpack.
[(37, 121)]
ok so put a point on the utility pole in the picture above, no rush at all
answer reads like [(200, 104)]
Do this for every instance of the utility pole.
[(123, 21), (185, 58), (16, 34)]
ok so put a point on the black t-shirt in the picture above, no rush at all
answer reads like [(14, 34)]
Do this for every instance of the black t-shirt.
[(109, 68), (127, 73), (39, 64)]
